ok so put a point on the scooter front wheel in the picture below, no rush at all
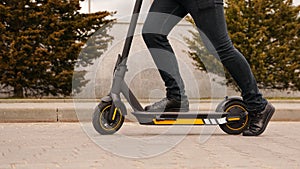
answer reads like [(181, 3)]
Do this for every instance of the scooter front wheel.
[(101, 121)]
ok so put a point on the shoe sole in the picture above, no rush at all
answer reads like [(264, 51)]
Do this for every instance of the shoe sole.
[(271, 112), (177, 110)]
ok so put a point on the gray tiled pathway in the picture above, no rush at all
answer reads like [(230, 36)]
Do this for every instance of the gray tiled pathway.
[(65, 145)]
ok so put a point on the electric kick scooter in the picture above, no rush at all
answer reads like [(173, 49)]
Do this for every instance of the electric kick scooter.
[(230, 114)]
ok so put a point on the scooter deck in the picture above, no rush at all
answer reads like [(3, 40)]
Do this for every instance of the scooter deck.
[(184, 118)]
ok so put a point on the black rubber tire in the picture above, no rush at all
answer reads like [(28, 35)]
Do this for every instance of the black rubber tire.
[(237, 127), (100, 122)]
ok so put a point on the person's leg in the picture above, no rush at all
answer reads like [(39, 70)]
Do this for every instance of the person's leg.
[(213, 29), (162, 17)]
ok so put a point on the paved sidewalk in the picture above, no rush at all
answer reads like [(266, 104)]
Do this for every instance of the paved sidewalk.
[(65, 145), (64, 110)]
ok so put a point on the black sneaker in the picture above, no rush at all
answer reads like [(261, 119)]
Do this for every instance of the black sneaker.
[(259, 121), (169, 105)]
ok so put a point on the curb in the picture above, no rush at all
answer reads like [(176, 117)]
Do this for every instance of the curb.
[(66, 110)]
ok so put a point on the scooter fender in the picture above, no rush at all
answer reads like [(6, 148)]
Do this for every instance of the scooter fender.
[(106, 99), (221, 105), (119, 104)]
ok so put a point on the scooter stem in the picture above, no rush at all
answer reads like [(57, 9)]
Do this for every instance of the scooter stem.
[(131, 29), (121, 67)]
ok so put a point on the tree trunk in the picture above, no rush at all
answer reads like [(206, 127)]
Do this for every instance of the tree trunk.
[(18, 91)]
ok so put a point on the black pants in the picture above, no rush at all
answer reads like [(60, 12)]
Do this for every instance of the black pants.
[(210, 21)]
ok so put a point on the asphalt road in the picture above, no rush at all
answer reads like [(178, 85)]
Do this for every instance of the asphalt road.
[(67, 145)]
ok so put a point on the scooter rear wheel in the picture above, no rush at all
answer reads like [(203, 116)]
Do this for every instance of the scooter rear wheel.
[(235, 108), (101, 121)]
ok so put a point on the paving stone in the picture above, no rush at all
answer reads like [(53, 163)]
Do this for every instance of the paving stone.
[(67, 145)]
